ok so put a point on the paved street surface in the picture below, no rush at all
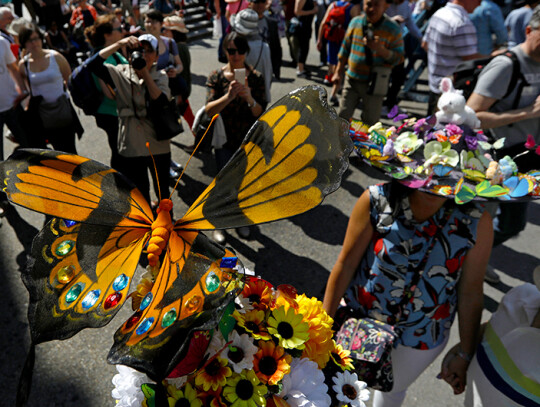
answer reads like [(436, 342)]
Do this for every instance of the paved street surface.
[(298, 251)]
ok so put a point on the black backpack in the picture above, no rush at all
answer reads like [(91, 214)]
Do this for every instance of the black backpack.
[(84, 91), (466, 75)]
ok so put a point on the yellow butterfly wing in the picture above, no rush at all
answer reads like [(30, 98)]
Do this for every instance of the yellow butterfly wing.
[(291, 158)]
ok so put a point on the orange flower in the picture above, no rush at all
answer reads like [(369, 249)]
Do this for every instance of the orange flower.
[(213, 375), (259, 293), (271, 362), (212, 398)]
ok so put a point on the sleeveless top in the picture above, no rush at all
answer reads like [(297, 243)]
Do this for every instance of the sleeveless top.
[(48, 83), (393, 256)]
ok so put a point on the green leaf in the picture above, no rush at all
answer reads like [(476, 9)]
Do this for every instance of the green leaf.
[(227, 322), (149, 391)]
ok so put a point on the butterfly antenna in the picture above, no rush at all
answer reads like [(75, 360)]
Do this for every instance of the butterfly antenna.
[(155, 169), (214, 118)]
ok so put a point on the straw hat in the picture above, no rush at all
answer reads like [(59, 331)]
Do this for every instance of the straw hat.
[(175, 23), (246, 22)]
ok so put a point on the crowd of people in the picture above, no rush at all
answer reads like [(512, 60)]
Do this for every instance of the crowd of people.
[(366, 47)]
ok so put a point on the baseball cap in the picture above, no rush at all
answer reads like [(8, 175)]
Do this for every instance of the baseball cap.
[(150, 39)]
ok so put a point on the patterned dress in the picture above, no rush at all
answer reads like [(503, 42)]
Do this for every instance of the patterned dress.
[(395, 254)]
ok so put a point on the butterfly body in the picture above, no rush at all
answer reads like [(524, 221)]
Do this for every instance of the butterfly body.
[(84, 260)]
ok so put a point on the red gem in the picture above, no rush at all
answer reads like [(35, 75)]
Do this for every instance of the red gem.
[(133, 320), (112, 300)]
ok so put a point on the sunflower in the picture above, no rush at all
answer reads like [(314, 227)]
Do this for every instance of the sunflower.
[(259, 293), (320, 344), (341, 357), (271, 362), (213, 375), (185, 397), (245, 390), (212, 398), (254, 323), (289, 328)]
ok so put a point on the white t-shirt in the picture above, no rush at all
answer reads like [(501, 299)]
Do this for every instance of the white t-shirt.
[(9, 92), (512, 325)]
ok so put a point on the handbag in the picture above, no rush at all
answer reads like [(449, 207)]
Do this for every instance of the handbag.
[(378, 80), (294, 26), (57, 114), (370, 341), (165, 118)]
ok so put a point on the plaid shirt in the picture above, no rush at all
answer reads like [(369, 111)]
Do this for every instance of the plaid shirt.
[(352, 47)]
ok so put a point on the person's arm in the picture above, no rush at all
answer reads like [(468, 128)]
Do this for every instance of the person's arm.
[(299, 4), (63, 64), (470, 304), (359, 234), (74, 17), (217, 7), (321, 26), (17, 77), (343, 55), (489, 120)]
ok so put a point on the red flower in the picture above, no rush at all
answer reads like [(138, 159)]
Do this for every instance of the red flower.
[(442, 312), (430, 230), (530, 143), (365, 298)]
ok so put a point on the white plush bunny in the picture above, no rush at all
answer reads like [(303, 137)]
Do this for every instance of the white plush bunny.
[(452, 107)]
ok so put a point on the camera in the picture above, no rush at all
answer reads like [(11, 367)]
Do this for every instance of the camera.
[(137, 60)]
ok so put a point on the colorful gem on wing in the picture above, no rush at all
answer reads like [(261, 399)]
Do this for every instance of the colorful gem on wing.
[(90, 299), (144, 326), (65, 247), (169, 318), (120, 282), (146, 301), (228, 262), (65, 274), (74, 292), (212, 282), (112, 300)]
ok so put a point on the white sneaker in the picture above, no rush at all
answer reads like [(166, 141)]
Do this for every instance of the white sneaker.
[(491, 276)]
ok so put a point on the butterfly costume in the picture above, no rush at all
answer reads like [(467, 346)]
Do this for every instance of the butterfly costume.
[(83, 261)]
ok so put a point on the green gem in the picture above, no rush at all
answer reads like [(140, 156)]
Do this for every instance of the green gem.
[(168, 318), (74, 292), (65, 247), (212, 282)]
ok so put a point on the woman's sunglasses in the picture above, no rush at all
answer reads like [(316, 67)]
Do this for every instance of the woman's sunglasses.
[(233, 51)]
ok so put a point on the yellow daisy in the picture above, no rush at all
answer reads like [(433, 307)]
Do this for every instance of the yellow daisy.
[(186, 396), (271, 362), (213, 375), (289, 328), (341, 357), (254, 323), (245, 390)]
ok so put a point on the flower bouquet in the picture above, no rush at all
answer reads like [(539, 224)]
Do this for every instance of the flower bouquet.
[(273, 347)]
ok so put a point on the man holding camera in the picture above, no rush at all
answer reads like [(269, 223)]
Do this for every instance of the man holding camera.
[(138, 86), (371, 48)]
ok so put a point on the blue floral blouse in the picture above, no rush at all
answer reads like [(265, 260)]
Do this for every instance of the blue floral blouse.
[(395, 254)]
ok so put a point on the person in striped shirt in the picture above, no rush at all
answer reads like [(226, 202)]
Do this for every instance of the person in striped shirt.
[(372, 40)]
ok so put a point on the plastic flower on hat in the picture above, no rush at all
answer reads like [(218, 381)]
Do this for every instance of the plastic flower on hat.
[(212, 398), (240, 352), (243, 304), (470, 161), (185, 397), (217, 344), (319, 345), (507, 166), (259, 293), (144, 287), (254, 323), (176, 381), (213, 375), (127, 386), (436, 152), (289, 328), (350, 390), (341, 357), (304, 386), (245, 390), (271, 362), (407, 143), (377, 134)]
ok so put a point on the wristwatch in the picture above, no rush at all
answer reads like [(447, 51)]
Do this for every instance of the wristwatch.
[(464, 355), (251, 106)]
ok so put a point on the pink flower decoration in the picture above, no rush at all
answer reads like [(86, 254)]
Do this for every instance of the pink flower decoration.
[(453, 129), (537, 150), (530, 142)]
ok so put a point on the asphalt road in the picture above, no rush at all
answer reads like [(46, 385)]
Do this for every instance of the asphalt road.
[(298, 251)]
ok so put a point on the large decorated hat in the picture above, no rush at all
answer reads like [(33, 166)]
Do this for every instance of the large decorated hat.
[(446, 159)]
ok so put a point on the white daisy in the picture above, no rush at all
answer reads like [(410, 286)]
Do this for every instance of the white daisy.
[(243, 303), (177, 382), (304, 386), (127, 386), (349, 389), (216, 344), (242, 357)]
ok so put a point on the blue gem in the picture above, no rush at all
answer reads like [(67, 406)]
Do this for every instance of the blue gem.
[(91, 298), (120, 282), (144, 326), (146, 301), (228, 262), (69, 223)]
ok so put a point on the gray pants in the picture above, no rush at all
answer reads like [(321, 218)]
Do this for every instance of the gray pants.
[(355, 90)]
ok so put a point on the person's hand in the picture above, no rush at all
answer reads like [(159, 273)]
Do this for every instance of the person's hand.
[(245, 93), (319, 44), (454, 370), (534, 109), (336, 78), (375, 44), (399, 19), (171, 72), (130, 42), (234, 90), (20, 97)]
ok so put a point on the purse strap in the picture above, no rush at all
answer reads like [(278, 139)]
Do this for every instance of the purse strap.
[(408, 292), (26, 66)]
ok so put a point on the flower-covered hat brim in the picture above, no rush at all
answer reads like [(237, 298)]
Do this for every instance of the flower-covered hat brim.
[(450, 161)]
